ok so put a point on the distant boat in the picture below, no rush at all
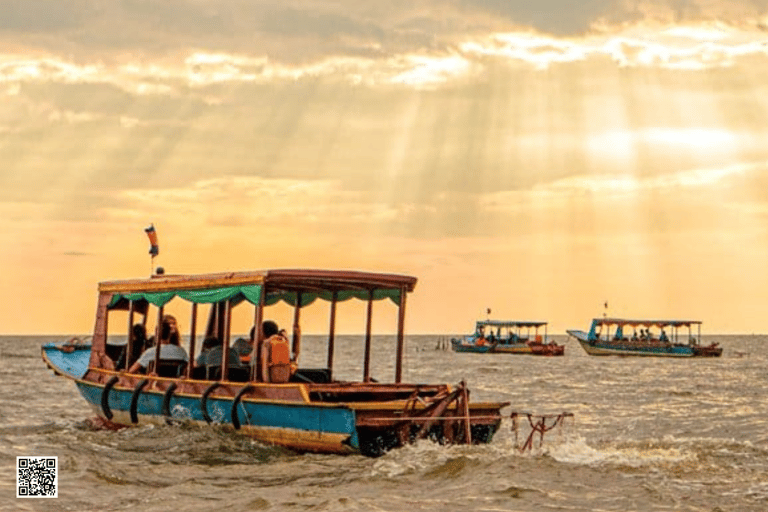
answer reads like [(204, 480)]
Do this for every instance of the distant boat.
[(508, 337), (611, 336)]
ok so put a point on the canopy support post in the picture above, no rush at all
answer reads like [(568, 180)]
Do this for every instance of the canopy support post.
[(367, 364), (158, 333), (258, 339), (192, 336), (296, 329), (225, 350), (129, 344), (220, 320), (332, 334), (400, 336)]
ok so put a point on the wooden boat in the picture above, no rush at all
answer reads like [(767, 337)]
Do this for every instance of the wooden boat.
[(508, 337), (274, 401), (610, 336)]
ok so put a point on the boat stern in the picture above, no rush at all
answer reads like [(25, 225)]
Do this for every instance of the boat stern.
[(446, 417)]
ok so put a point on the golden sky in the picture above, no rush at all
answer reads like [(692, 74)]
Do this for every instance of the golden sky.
[(535, 161)]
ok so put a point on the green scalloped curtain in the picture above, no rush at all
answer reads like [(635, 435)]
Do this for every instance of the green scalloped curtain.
[(252, 293)]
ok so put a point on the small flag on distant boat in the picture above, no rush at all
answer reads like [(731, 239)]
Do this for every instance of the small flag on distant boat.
[(154, 248)]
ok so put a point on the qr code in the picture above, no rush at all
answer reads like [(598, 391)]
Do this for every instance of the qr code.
[(37, 477)]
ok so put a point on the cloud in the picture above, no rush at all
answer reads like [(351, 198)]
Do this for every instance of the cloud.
[(256, 200), (679, 181), (297, 31), (679, 47), (692, 47), (477, 106), (44, 15)]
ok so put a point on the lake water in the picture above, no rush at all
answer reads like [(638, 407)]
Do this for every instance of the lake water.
[(647, 434)]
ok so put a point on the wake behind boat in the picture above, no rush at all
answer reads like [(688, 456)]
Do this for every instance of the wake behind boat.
[(265, 393), (508, 337), (611, 336)]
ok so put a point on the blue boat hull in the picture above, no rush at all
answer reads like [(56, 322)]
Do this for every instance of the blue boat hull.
[(459, 346), (600, 348), (304, 426), (294, 425)]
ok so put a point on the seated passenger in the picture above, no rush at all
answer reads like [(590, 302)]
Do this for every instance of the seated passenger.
[(139, 344), (208, 344), (170, 347), (211, 356), (276, 363), (244, 347)]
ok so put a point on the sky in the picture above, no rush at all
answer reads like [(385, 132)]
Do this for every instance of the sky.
[(538, 159)]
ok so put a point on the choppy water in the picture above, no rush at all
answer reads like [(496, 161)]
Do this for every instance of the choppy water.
[(648, 434)]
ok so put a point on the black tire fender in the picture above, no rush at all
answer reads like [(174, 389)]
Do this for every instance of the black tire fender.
[(236, 402), (105, 397), (135, 400), (166, 409), (204, 401)]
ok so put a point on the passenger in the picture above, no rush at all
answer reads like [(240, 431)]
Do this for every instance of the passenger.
[(244, 347), (139, 343), (663, 336), (210, 358), (634, 335), (269, 329), (276, 362), (170, 347), (208, 344)]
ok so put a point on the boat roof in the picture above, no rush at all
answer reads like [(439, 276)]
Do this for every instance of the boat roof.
[(510, 323), (645, 322), (272, 280)]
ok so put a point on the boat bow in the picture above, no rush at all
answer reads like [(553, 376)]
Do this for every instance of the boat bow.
[(68, 359)]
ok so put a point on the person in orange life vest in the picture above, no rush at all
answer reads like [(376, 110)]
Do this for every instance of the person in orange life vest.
[(276, 363)]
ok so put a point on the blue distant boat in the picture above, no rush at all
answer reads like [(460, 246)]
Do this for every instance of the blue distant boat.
[(270, 398), (612, 337)]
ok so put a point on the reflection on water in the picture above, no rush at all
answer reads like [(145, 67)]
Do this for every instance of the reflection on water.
[(648, 434)]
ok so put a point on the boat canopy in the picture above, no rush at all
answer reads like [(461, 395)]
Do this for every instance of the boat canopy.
[(644, 323), (276, 285), (508, 323)]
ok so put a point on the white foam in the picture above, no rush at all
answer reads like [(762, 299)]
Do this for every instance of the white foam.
[(577, 451)]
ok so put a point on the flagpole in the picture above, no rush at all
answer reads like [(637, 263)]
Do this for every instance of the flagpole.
[(154, 248)]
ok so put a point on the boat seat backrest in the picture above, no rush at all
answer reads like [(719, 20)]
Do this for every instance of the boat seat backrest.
[(168, 368), (213, 372)]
